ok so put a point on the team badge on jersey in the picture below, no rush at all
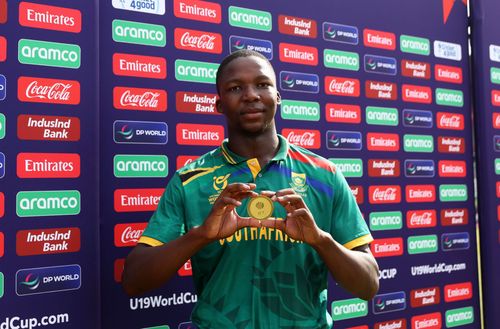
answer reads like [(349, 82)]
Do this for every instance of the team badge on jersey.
[(299, 183)]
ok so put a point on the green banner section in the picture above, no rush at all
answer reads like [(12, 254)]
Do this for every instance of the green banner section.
[(45, 53), (132, 165), (48, 203), (194, 71), (300, 110), (250, 19), (139, 33)]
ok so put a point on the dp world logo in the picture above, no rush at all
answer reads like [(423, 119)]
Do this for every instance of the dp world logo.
[(340, 33), (43, 280), (380, 64), (419, 168), (417, 118), (496, 142), (455, 241), (343, 140), (300, 82), (31, 282), (390, 302), (140, 132), (265, 47)]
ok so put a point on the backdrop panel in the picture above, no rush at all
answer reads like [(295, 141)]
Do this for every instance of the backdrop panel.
[(381, 88), (48, 165), (486, 66)]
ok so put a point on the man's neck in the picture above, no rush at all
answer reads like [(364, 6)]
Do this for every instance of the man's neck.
[(262, 147)]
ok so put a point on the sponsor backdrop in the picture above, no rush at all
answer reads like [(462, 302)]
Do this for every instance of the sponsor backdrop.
[(48, 165), (365, 84), (486, 65)]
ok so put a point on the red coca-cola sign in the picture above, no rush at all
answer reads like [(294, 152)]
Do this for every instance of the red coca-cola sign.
[(127, 235), (141, 99), (207, 42), (42, 90), (309, 139), (342, 86), (421, 218), (452, 121), (379, 194)]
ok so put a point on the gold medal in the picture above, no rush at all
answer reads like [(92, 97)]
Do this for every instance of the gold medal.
[(260, 207)]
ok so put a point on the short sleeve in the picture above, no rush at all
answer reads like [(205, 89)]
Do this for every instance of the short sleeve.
[(167, 222), (348, 225)]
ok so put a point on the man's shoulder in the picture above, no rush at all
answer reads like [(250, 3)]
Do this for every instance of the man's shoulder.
[(207, 160), (310, 159)]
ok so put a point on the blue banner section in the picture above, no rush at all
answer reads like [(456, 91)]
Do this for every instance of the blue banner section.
[(49, 142), (486, 66)]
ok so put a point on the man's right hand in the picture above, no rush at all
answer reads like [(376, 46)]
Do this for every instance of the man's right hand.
[(223, 220)]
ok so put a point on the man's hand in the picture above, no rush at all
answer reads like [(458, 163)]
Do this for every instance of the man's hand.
[(299, 223), (223, 220)]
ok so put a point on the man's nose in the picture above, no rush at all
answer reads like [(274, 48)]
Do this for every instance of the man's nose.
[(250, 93)]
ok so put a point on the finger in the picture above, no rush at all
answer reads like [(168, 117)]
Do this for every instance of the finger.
[(300, 214), (238, 187), (286, 191), (273, 223), (269, 194), (244, 194), (248, 222), (294, 200)]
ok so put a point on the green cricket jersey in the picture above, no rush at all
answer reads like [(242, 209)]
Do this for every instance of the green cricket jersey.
[(259, 277)]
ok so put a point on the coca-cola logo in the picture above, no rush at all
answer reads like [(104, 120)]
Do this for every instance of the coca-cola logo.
[(40, 90), (198, 41), (130, 235), (125, 98), (385, 194), (305, 138), (342, 86), (127, 235), (421, 218), (450, 121)]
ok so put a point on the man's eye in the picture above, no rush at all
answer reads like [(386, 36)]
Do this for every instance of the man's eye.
[(234, 88), (263, 85)]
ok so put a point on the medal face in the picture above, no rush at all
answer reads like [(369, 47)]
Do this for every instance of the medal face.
[(260, 207)]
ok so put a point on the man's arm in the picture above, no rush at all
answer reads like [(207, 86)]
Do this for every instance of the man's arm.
[(355, 270), (148, 267)]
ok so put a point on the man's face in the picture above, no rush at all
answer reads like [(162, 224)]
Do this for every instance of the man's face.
[(248, 95)]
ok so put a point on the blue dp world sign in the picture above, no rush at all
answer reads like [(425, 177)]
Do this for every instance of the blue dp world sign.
[(417, 118), (41, 280), (380, 64), (264, 47), (301, 82), (394, 301), (140, 132), (340, 33), (343, 140)]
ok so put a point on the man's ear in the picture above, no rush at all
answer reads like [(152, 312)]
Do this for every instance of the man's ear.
[(278, 97), (218, 106)]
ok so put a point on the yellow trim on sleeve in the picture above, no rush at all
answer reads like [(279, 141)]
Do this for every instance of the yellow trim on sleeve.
[(254, 166), (365, 239), (150, 241)]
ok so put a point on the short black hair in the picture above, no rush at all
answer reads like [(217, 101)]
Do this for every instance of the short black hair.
[(237, 54)]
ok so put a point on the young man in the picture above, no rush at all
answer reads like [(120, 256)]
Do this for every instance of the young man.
[(249, 273)]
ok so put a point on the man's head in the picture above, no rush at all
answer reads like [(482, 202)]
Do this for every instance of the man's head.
[(237, 54), (246, 84)]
